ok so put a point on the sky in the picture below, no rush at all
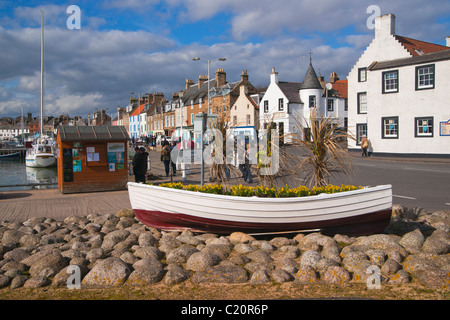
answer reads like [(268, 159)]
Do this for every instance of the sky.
[(147, 46)]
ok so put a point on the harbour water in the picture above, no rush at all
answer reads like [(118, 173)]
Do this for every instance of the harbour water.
[(14, 172)]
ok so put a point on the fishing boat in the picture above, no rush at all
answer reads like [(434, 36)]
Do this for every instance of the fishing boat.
[(42, 153), (357, 212), (10, 155)]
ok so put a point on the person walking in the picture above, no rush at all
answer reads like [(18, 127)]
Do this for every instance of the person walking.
[(173, 144), (139, 164), (165, 158), (247, 165), (364, 145)]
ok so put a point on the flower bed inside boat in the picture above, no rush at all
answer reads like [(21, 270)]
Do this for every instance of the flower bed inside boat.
[(261, 191)]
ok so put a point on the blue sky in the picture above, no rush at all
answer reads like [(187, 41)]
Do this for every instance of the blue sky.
[(145, 46)]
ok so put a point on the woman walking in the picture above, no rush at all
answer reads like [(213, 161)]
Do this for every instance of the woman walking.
[(364, 145)]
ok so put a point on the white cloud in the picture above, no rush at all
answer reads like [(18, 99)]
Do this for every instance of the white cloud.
[(89, 69), (70, 104)]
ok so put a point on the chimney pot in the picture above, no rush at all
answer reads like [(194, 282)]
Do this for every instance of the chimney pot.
[(244, 76)]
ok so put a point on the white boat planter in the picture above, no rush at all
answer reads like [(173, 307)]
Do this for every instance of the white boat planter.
[(362, 211)]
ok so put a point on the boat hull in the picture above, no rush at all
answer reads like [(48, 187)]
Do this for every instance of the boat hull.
[(358, 212), (40, 161), (12, 155)]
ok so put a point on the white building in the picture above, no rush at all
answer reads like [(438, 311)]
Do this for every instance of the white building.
[(398, 95), (244, 113), (289, 104), (136, 122)]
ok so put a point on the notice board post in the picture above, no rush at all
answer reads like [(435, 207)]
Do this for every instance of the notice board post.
[(92, 159)]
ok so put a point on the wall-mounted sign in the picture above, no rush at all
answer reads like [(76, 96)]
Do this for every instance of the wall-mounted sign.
[(445, 128)]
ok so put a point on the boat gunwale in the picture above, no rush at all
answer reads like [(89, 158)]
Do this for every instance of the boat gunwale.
[(318, 197)]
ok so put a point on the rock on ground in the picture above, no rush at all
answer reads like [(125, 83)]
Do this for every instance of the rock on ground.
[(114, 250)]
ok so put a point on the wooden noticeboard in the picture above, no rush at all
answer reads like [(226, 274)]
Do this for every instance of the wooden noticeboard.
[(92, 165)]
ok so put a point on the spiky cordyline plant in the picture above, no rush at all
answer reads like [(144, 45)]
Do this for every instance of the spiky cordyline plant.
[(325, 156)]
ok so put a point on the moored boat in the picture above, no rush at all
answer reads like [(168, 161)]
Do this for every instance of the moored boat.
[(363, 211), (41, 154)]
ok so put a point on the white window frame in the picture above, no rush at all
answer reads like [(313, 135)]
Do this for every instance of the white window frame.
[(421, 123), (426, 79), (266, 106), (362, 103), (330, 105), (361, 130), (390, 132), (312, 102), (390, 81), (362, 74), (280, 104)]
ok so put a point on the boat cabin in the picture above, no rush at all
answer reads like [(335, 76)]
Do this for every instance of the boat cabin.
[(92, 159)]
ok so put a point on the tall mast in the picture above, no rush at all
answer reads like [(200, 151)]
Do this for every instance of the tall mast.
[(42, 72)]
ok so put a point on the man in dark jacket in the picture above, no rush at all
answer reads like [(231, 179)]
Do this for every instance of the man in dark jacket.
[(140, 164)]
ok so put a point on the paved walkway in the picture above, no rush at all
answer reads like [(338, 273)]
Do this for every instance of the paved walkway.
[(51, 203), (22, 205)]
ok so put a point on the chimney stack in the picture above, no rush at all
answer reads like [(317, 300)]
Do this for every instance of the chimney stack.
[(334, 77), (274, 76), (385, 26), (244, 76), (448, 41), (188, 84), (201, 80), (221, 77), (158, 97)]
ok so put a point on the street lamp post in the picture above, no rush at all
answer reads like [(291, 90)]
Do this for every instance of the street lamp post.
[(201, 136)]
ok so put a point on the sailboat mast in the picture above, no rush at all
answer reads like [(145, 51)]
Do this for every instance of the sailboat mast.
[(42, 72)]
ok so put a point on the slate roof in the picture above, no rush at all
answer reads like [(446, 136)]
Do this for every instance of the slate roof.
[(311, 81), (194, 94), (425, 58), (291, 90), (93, 133)]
